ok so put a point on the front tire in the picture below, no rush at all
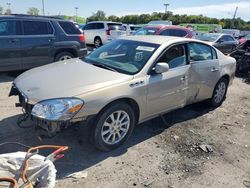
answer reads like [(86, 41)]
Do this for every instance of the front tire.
[(220, 92), (113, 126)]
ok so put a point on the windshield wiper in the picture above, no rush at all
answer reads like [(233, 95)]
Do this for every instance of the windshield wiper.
[(104, 66)]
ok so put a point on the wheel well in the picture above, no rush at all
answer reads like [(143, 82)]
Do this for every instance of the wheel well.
[(132, 103), (72, 51), (98, 37), (227, 77)]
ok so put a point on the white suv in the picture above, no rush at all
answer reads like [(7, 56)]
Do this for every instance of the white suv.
[(102, 32)]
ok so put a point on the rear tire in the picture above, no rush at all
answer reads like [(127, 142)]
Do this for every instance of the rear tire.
[(220, 92), (98, 42), (113, 126), (62, 56)]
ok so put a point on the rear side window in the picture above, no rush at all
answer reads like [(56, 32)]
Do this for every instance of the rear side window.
[(70, 28), (214, 54), (115, 26), (37, 28), (10, 27), (174, 32), (200, 52)]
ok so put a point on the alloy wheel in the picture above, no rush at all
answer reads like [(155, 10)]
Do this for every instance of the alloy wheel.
[(115, 127), (220, 92), (65, 57)]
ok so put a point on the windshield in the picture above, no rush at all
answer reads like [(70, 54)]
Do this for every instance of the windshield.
[(123, 56), (146, 31), (208, 37)]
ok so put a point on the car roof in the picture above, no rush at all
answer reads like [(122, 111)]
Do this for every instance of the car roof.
[(158, 39), (104, 22), (31, 17), (166, 27)]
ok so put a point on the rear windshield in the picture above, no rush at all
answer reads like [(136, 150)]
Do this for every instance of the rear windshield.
[(70, 28), (146, 31), (116, 26)]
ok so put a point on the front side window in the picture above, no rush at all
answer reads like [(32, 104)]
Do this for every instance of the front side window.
[(175, 56), (37, 28), (88, 26), (199, 52), (10, 27), (123, 56), (228, 39)]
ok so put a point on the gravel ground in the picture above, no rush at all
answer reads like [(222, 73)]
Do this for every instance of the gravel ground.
[(195, 147)]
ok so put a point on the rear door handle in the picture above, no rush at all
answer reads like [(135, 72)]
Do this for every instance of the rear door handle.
[(213, 69)]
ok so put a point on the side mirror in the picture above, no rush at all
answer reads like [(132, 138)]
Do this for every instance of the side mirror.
[(161, 67)]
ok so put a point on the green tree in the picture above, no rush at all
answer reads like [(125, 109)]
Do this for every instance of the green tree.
[(1, 10), (8, 12), (175, 18), (113, 18), (33, 11), (98, 16)]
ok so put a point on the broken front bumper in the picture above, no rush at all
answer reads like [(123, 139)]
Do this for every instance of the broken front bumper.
[(51, 127)]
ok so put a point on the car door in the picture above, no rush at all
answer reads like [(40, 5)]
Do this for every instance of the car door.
[(10, 48), (37, 43), (231, 43), (221, 44), (168, 90), (204, 71)]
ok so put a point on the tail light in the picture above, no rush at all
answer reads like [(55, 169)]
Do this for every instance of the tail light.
[(108, 32), (82, 37)]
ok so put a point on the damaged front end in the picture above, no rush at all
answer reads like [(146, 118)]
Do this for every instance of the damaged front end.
[(50, 126), (242, 56)]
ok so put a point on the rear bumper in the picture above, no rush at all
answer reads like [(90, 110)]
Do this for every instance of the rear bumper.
[(82, 52)]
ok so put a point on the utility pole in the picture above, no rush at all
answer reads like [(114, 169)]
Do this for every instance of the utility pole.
[(233, 21), (76, 12), (235, 12), (8, 11), (9, 5), (166, 7), (43, 8)]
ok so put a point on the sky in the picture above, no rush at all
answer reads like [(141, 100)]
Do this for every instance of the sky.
[(211, 8)]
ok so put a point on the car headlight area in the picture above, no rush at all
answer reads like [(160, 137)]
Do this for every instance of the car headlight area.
[(61, 109)]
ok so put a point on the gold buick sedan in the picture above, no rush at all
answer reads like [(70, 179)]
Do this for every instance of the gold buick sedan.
[(124, 83)]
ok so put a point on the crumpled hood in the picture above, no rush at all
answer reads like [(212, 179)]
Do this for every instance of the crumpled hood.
[(66, 79)]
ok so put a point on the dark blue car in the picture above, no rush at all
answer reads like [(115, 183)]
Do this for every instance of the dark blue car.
[(32, 41)]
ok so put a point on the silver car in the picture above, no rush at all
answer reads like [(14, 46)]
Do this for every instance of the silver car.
[(124, 83)]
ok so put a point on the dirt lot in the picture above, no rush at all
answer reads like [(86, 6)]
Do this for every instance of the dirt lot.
[(159, 154)]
